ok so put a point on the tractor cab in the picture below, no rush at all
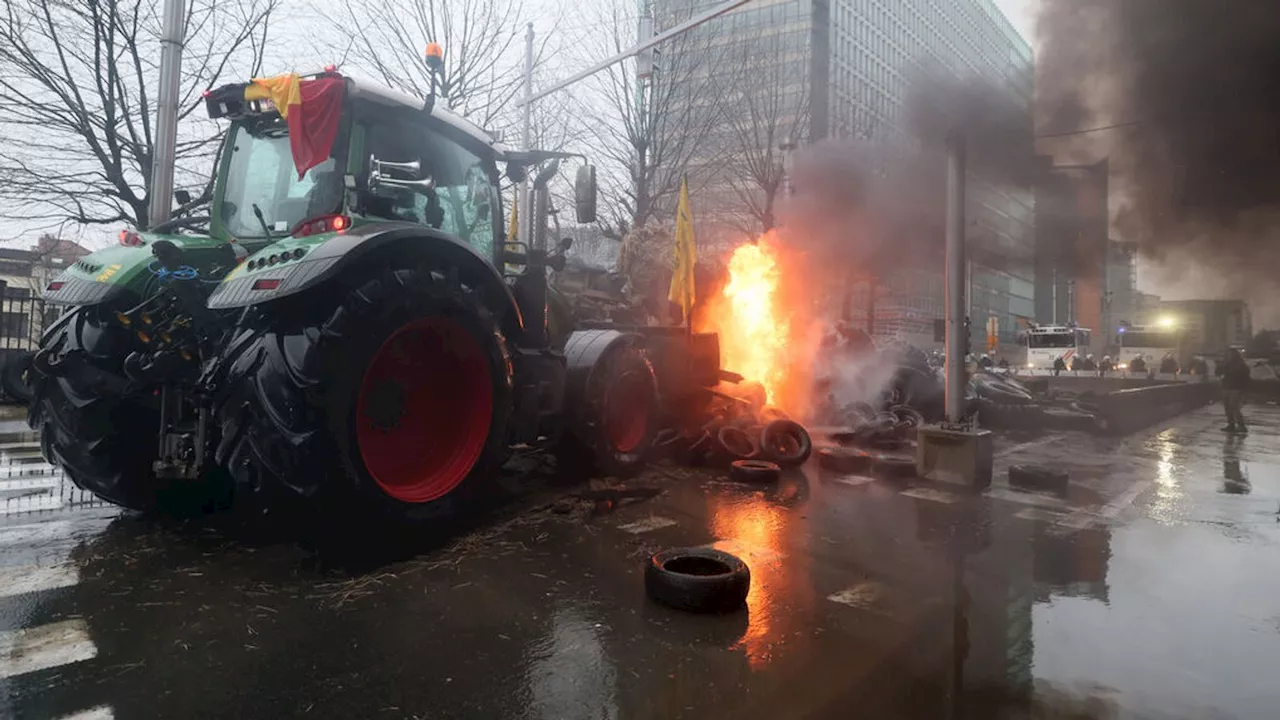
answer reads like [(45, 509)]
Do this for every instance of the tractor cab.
[(348, 154)]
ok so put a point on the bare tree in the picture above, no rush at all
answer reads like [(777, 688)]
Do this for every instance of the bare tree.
[(482, 42), (767, 107), (650, 130), (77, 102)]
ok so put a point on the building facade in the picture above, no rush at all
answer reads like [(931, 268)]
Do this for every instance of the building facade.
[(23, 276), (1119, 300), (1078, 269), (843, 69)]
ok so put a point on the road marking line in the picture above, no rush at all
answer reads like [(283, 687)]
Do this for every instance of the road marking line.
[(44, 647), (1027, 445), (646, 525), (1040, 514), (34, 533), (28, 578), (1024, 498), (1124, 500), (102, 712), (853, 480), (924, 493), (1086, 518), (863, 595)]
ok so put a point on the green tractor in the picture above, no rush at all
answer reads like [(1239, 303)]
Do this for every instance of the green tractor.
[(344, 332)]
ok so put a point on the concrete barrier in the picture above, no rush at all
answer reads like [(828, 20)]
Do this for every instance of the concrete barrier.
[(1126, 411), (1264, 391)]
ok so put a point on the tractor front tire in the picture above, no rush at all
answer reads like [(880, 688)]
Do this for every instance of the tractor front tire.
[(103, 435), (392, 402)]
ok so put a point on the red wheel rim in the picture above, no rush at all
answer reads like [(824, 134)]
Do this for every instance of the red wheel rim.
[(626, 411), (424, 409)]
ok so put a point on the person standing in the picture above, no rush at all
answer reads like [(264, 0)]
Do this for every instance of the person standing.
[(1235, 381)]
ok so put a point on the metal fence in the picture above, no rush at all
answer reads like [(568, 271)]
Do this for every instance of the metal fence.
[(29, 484), (23, 317)]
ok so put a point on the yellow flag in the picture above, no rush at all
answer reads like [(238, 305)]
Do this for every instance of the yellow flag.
[(682, 290), (283, 90)]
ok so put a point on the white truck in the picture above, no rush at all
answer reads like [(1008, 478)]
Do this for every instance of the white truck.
[(1150, 342), (1047, 343)]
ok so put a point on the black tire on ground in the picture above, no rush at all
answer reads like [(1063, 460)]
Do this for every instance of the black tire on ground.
[(737, 443), (103, 434), (617, 420), (844, 460), (785, 442), (702, 580), (754, 471), (14, 378), (391, 399), (893, 466)]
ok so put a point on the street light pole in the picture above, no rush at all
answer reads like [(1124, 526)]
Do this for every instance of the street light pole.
[(526, 140), (160, 198), (955, 375)]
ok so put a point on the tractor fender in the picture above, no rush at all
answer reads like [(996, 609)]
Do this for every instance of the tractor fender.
[(584, 352), (338, 254)]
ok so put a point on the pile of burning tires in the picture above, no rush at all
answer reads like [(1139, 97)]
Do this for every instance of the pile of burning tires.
[(891, 429), (739, 432), (723, 440)]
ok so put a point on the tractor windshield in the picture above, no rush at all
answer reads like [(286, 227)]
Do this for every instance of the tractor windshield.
[(453, 190), (261, 172)]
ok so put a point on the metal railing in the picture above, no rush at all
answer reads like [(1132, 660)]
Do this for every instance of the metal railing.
[(23, 318), (28, 484)]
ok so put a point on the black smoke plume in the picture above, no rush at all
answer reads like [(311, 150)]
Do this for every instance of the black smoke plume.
[(1194, 88)]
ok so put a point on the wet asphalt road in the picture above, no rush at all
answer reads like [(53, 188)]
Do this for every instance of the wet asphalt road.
[(1151, 591)]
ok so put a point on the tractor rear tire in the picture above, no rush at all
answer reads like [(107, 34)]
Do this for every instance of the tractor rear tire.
[(103, 435), (392, 401)]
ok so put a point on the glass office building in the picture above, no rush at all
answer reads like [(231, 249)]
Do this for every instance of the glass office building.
[(849, 63)]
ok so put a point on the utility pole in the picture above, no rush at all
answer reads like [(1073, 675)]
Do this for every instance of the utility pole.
[(872, 288), (166, 138), (524, 232), (1055, 296), (955, 374)]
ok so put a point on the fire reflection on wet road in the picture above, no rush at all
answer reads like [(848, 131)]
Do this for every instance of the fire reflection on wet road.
[(765, 533)]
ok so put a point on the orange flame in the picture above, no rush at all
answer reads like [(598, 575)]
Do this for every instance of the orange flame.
[(749, 316)]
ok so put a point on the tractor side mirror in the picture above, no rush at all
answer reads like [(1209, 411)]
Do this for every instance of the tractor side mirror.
[(565, 244), (584, 194), (182, 196)]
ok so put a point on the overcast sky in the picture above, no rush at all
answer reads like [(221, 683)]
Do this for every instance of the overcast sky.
[(1022, 14)]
